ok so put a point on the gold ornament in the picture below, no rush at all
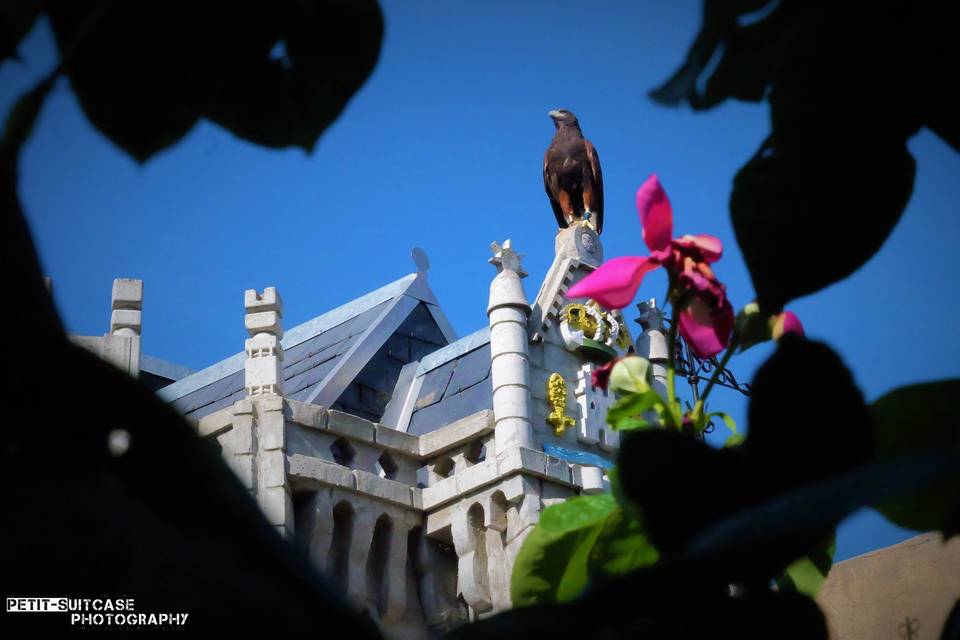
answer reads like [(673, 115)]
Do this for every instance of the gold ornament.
[(557, 396)]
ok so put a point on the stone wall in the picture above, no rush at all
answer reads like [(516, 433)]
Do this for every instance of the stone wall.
[(905, 591)]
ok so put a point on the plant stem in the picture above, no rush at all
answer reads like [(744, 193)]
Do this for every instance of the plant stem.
[(671, 368), (734, 342)]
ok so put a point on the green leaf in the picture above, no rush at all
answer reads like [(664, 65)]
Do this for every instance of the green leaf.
[(552, 563), (735, 440), (631, 374), (622, 546), (727, 419), (625, 414), (915, 418), (807, 574)]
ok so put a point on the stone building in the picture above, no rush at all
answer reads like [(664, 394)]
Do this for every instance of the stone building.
[(410, 464)]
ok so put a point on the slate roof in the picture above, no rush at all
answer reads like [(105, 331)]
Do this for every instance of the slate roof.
[(454, 382), (347, 358)]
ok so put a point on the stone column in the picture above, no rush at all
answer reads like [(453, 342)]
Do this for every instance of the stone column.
[(262, 371), (652, 344), (396, 572), (510, 369), (121, 346), (263, 380)]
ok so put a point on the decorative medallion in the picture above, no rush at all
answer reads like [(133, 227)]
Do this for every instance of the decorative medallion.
[(557, 397), (592, 331)]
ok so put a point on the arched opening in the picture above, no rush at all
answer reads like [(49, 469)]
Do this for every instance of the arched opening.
[(338, 563), (498, 515), (377, 563), (478, 535)]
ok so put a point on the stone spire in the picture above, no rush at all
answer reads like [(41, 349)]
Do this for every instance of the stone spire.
[(262, 371), (510, 369), (652, 344)]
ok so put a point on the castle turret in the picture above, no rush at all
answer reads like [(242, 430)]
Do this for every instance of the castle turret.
[(509, 312)]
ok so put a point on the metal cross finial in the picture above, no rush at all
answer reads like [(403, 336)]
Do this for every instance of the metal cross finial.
[(506, 259)]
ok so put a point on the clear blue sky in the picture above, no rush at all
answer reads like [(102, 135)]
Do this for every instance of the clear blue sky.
[(442, 148)]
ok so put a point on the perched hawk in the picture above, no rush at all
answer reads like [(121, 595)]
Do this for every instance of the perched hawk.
[(571, 174)]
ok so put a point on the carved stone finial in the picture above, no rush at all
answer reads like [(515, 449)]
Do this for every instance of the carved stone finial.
[(126, 304), (262, 371), (506, 259), (650, 318), (421, 260)]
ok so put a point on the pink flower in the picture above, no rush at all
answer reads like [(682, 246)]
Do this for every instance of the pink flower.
[(706, 322), (786, 322), (600, 377)]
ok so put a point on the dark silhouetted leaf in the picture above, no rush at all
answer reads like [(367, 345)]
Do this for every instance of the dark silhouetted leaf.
[(674, 600), (275, 73), (795, 438), (916, 418), (834, 176), (16, 19)]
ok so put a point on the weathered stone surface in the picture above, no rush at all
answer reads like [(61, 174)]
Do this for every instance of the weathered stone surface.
[(263, 322), (271, 431), (515, 488), (557, 469), (243, 466), (216, 422), (243, 436), (438, 493), (326, 472), (389, 490), (270, 403), (350, 426), (125, 319), (872, 595), (589, 479), (457, 433), (308, 415), (476, 476), (522, 459), (554, 493), (397, 440), (272, 467), (127, 293), (276, 505), (243, 406), (269, 300)]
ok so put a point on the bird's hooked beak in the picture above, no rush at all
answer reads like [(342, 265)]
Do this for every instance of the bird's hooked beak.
[(555, 114)]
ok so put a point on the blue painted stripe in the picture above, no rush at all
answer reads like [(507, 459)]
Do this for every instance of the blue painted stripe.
[(578, 457)]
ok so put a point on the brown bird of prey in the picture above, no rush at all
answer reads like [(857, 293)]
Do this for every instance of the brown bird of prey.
[(571, 174)]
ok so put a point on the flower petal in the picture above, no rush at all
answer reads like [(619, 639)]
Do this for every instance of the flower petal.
[(615, 282), (787, 322), (707, 331), (709, 246), (656, 215)]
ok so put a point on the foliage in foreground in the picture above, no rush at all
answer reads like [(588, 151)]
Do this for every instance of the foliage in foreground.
[(658, 558)]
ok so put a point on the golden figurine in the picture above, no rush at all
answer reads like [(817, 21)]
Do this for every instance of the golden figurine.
[(557, 396)]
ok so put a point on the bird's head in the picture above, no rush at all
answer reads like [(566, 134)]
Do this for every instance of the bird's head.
[(563, 118)]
